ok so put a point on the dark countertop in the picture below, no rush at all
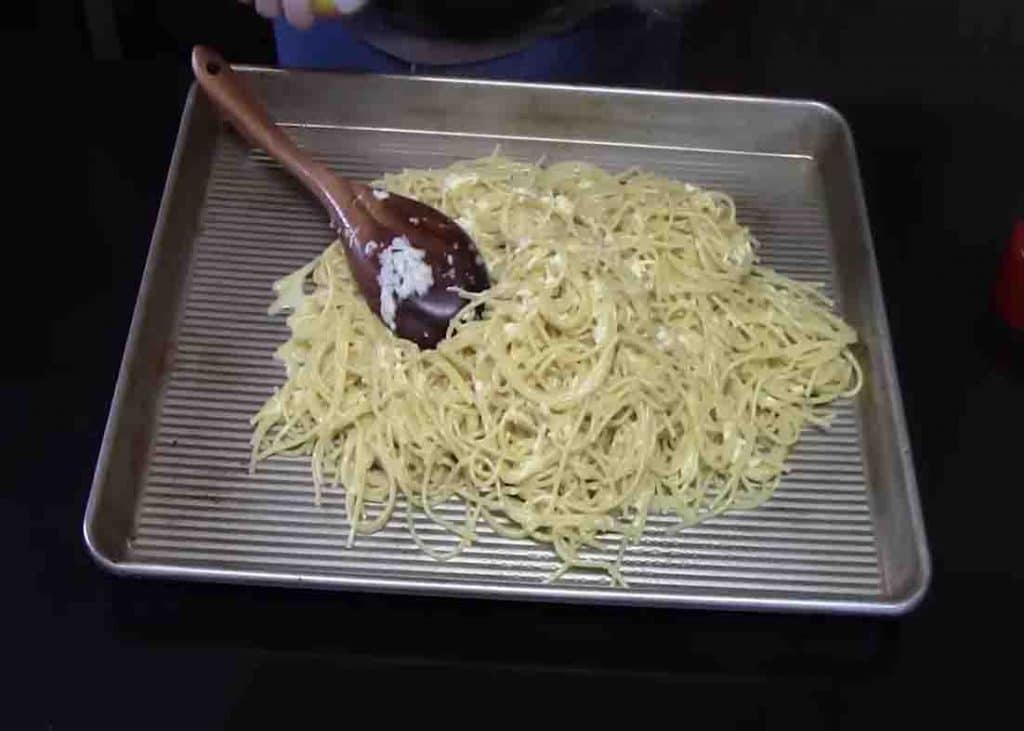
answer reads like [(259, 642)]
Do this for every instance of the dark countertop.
[(939, 135)]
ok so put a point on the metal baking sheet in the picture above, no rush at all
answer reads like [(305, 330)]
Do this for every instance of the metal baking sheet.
[(173, 495)]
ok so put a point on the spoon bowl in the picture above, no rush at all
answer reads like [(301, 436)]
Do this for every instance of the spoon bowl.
[(409, 259)]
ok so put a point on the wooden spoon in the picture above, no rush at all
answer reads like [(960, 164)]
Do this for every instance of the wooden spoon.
[(371, 222)]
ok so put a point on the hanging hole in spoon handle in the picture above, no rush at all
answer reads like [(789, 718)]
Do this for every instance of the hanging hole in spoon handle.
[(246, 113)]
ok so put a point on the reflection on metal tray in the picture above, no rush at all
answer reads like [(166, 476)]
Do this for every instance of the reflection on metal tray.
[(173, 495)]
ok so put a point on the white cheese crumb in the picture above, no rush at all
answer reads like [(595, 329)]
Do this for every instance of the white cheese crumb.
[(380, 194), (526, 301), (370, 247), (414, 221), (554, 270), (291, 289), (738, 450), (403, 273), (664, 339), (454, 180), (488, 203), (451, 262)]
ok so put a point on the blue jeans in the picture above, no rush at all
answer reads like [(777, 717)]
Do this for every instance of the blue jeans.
[(617, 47)]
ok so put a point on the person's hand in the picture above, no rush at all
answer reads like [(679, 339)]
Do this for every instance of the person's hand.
[(301, 13)]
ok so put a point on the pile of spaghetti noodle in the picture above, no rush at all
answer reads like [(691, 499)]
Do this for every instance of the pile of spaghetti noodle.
[(631, 357)]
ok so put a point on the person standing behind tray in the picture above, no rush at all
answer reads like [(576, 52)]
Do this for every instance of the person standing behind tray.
[(624, 42)]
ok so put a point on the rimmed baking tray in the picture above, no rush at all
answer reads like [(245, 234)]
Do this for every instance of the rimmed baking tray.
[(173, 495)]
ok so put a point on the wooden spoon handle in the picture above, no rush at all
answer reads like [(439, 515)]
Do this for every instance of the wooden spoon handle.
[(248, 115)]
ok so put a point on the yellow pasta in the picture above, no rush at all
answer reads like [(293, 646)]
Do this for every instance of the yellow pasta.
[(631, 357)]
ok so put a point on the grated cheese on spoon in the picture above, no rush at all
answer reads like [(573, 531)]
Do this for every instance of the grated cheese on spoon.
[(403, 273)]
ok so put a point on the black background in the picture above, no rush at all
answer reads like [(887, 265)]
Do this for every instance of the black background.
[(933, 91)]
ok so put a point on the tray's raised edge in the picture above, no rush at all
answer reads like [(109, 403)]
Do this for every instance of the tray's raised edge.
[(794, 104), (904, 598), (103, 555), (528, 593), (586, 88)]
